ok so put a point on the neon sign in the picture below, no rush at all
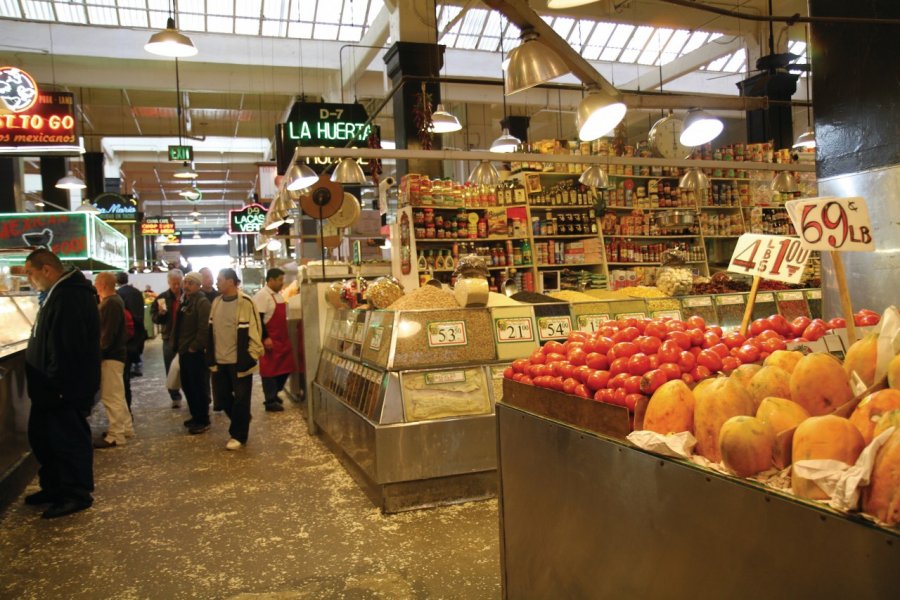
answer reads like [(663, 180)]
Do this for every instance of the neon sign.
[(323, 125), (248, 220), (34, 122)]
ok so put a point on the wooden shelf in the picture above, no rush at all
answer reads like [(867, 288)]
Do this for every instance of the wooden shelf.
[(489, 268), (712, 207), (653, 237), (570, 265), (722, 237), (560, 206), (451, 240), (635, 264), (579, 236), (632, 208), (444, 207)]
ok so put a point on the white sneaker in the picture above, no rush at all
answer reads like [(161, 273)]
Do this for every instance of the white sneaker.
[(283, 396), (233, 444)]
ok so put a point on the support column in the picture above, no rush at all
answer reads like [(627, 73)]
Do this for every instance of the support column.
[(10, 184), (776, 121), (93, 174), (413, 59), (53, 168)]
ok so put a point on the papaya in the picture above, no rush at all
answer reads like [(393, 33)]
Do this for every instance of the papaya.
[(714, 403), (769, 381), (745, 444), (819, 384), (671, 408), (780, 413), (744, 373), (871, 410), (785, 359), (881, 498), (862, 357), (823, 437), (893, 373)]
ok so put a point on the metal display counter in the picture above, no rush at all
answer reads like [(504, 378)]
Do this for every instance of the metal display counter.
[(586, 516)]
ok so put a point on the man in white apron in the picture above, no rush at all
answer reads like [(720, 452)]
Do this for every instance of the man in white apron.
[(276, 365)]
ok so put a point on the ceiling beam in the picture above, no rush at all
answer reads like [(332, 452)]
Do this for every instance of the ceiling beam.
[(707, 53), (370, 46)]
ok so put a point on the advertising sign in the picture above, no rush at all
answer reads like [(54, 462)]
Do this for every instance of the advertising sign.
[(157, 226), (63, 233), (321, 124), (34, 122), (839, 224), (116, 208), (775, 257), (248, 220)]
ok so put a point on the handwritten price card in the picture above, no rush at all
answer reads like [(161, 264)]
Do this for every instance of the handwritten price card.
[(514, 330), (447, 333), (839, 224), (776, 257)]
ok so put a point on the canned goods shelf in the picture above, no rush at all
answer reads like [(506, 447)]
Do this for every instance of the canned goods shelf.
[(566, 237), (654, 237), (586, 264)]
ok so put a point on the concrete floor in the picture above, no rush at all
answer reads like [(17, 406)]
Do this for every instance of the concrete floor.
[(178, 516)]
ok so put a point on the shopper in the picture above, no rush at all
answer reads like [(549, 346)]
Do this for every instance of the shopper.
[(164, 312), (207, 287), (189, 338), (112, 363), (134, 345), (276, 365), (235, 346), (62, 370)]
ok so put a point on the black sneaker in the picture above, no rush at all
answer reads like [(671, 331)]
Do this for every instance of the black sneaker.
[(65, 507), (103, 443), (274, 407), (190, 422), (41, 497), (198, 428)]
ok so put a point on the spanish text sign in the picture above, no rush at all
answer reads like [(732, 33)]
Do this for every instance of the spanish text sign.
[(839, 224), (776, 257)]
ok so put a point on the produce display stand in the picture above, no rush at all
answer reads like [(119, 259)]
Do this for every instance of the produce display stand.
[(585, 515)]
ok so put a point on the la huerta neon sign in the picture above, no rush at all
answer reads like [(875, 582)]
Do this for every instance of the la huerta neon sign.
[(320, 124)]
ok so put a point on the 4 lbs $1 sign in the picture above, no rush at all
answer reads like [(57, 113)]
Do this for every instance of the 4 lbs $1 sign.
[(839, 224), (776, 257)]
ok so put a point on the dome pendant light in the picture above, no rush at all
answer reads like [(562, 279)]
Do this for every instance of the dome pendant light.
[(506, 142), (594, 177), (532, 63), (598, 114), (807, 139), (484, 174), (70, 182), (348, 171), (87, 207), (784, 183), (300, 177), (699, 128), (186, 172), (694, 180), (444, 122), (170, 42)]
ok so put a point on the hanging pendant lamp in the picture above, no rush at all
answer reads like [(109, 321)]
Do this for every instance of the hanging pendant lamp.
[(807, 139), (70, 182), (186, 171), (170, 42), (349, 172), (443, 121), (532, 63), (699, 127), (300, 177), (484, 174), (694, 180), (784, 183), (87, 207), (506, 142), (597, 115), (594, 177)]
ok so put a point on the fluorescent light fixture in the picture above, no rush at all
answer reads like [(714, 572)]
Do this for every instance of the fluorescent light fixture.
[(532, 63), (70, 182), (699, 128), (87, 207), (594, 177), (195, 213), (186, 171), (191, 193), (807, 139), (300, 177), (444, 122), (506, 142), (170, 42), (597, 115), (484, 174), (694, 180), (784, 183)]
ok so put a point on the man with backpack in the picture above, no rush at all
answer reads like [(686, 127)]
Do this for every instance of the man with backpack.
[(135, 332)]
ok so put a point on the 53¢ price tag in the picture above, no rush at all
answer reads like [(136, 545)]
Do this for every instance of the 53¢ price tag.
[(839, 224), (551, 328), (776, 257), (447, 333), (514, 330)]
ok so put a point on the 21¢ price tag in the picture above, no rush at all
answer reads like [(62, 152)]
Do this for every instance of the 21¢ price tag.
[(776, 257), (447, 333), (839, 224), (514, 330)]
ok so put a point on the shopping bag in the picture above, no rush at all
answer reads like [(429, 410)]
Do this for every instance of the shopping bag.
[(173, 379)]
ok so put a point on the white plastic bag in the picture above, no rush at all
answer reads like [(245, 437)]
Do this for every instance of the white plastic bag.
[(173, 379)]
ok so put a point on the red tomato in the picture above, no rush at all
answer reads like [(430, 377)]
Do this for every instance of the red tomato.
[(729, 364), (710, 339), (508, 372), (720, 349), (556, 383), (582, 391), (681, 338), (768, 334), (669, 351), (654, 361), (837, 323), (582, 373), (566, 369), (748, 353), (577, 357), (618, 397), (672, 370), (696, 336), (537, 370), (569, 385), (595, 360), (696, 322), (866, 311), (578, 336), (655, 329), (604, 395), (696, 350), (526, 380), (538, 357), (629, 334), (715, 329), (552, 348), (649, 345), (554, 357), (570, 345), (624, 349), (758, 326), (686, 362), (604, 344), (700, 373), (638, 364), (631, 401), (780, 324), (798, 325), (688, 379), (652, 380), (620, 365), (519, 365), (608, 330), (772, 344), (633, 384), (869, 320), (618, 380), (627, 322), (709, 359), (675, 325), (814, 331), (734, 339), (763, 356), (598, 380)]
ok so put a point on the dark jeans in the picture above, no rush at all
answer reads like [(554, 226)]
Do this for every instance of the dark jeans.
[(234, 394), (126, 378), (272, 385), (61, 441), (169, 355), (195, 383)]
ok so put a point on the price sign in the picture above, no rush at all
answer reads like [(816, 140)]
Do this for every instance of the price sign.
[(776, 257), (814, 294), (637, 315), (671, 314), (377, 337), (697, 301), (360, 333), (839, 224), (445, 377), (729, 300), (591, 323), (765, 297), (447, 333), (554, 327), (514, 330)]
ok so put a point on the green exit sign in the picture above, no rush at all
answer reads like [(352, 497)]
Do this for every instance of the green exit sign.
[(181, 153)]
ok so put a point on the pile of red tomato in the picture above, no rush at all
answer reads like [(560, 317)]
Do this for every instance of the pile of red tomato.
[(804, 329), (626, 360)]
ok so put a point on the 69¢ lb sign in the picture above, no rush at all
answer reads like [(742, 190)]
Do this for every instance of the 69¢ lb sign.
[(775, 257), (838, 224)]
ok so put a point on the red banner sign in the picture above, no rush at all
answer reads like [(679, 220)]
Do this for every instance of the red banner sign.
[(34, 122), (65, 234)]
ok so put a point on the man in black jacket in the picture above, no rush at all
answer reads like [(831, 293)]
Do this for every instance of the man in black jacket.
[(62, 367), (164, 312), (134, 304), (189, 338), (112, 363)]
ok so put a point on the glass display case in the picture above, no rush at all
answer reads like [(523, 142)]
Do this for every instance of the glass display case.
[(17, 313)]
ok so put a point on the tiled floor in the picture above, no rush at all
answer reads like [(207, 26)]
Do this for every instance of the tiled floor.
[(177, 516)]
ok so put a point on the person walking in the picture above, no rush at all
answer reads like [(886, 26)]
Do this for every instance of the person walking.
[(112, 363), (62, 371), (189, 338), (232, 353), (207, 287), (134, 345), (276, 365), (164, 312)]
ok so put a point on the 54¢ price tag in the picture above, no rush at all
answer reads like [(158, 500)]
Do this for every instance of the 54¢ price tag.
[(774, 257), (551, 328), (839, 224)]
